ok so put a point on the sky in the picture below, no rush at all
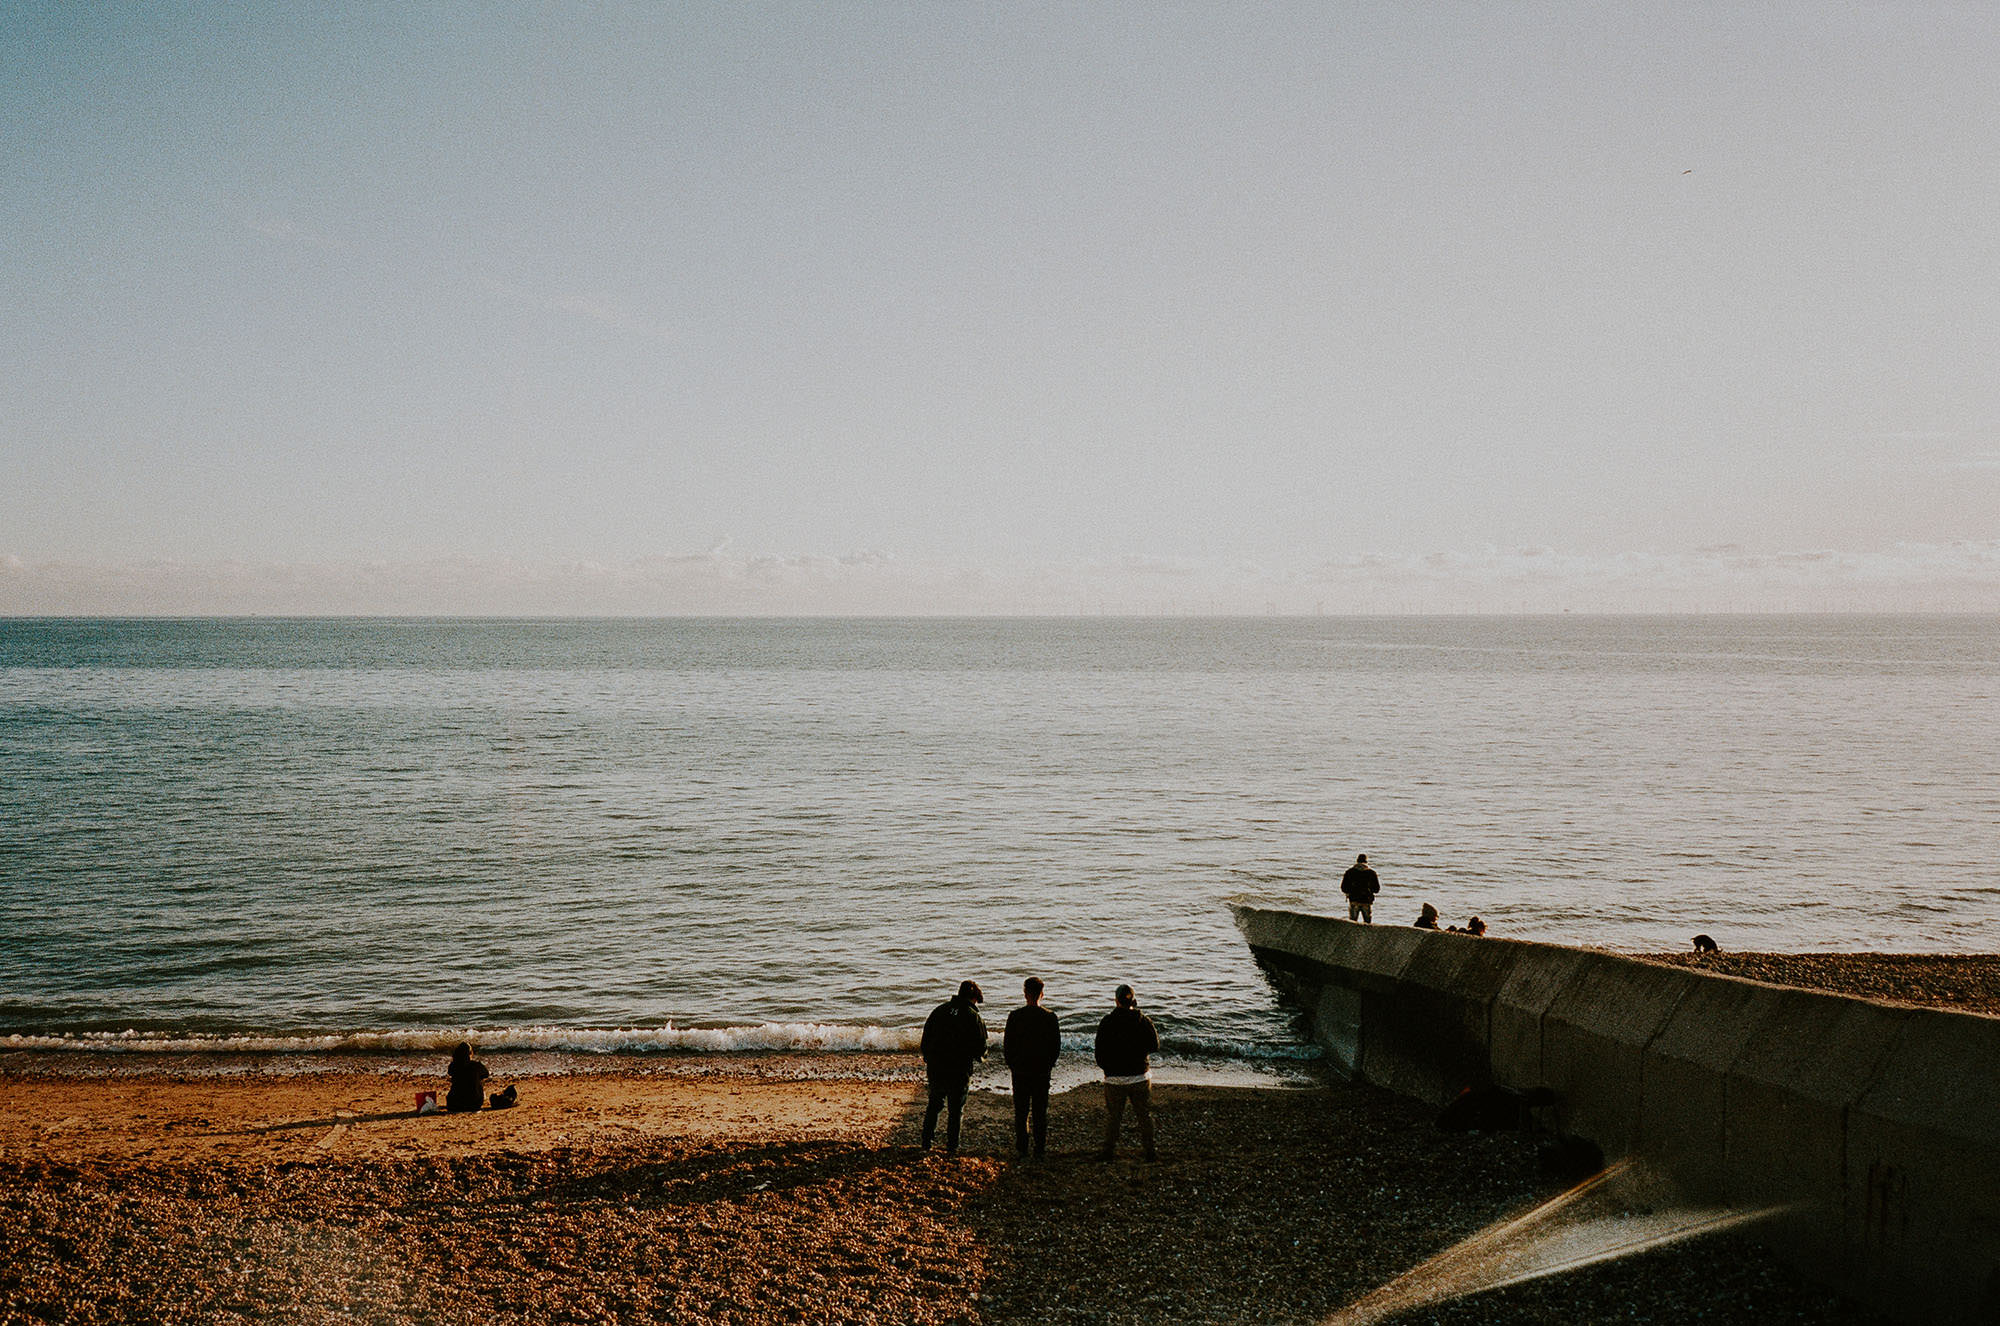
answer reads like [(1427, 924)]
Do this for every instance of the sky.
[(1003, 307)]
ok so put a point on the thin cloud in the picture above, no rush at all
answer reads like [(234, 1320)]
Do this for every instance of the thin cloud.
[(588, 308), (290, 231), (1173, 567), (603, 312), (1906, 577)]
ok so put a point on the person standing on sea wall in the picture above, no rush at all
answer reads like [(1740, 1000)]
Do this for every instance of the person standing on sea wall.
[(954, 1040), (1125, 1044), (1361, 884), (1031, 1045)]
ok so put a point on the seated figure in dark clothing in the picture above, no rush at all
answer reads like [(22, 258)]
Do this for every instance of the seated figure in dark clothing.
[(1427, 919), (468, 1080)]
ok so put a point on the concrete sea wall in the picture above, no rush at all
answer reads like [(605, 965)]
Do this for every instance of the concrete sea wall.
[(1877, 1125)]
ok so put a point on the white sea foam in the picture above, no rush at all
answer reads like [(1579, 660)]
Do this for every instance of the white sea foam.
[(1211, 1047), (816, 1037), (763, 1037)]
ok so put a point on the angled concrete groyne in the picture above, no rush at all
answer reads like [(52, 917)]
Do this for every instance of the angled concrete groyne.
[(1877, 1125)]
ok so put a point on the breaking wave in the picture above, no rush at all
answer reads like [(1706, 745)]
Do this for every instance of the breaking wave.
[(818, 1037), (763, 1037)]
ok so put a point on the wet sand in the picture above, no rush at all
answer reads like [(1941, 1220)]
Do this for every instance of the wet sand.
[(637, 1196)]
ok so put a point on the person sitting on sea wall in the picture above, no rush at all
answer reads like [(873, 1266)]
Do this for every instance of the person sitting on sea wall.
[(1473, 927), (468, 1080), (1361, 884), (1427, 919), (1125, 1044), (1031, 1046), (954, 1040)]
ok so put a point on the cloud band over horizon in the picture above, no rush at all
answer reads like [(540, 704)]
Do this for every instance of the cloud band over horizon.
[(1957, 577)]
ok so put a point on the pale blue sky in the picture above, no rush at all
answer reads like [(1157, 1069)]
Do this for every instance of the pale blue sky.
[(1242, 290)]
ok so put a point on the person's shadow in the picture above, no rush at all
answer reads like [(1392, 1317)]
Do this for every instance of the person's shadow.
[(332, 1121)]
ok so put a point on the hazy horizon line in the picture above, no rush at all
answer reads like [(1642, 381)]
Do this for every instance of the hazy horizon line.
[(1523, 581), (967, 616)]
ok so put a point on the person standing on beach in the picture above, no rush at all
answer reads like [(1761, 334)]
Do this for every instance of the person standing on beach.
[(1125, 1044), (1031, 1046), (954, 1040), (1360, 884)]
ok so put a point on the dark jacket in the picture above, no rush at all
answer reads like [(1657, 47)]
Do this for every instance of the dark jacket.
[(1360, 883), (954, 1038), (468, 1080), (1124, 1040), (1033, 1041)]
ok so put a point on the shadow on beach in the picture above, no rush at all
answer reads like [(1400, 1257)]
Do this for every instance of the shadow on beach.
[(330, 1121), (1267, 1206), (1275, 1206), (724, 1173)]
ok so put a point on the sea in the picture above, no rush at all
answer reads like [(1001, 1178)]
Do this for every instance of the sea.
[(317, 840)]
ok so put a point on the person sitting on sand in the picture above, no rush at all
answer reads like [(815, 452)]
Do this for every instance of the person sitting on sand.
[(1427, 919), (468, 1079), (1031, 1046), (954, 1040), (1125, 1044), (1361, 884), (1473, 927)]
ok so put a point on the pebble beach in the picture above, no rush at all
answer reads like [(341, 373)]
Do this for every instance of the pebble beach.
[(1967, 982), (630, 1194), (789, 1188)]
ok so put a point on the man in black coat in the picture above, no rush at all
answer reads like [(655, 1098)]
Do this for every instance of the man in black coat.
[(1360, 885), (954, 1040), (1031, 1046), (1125, 1044)]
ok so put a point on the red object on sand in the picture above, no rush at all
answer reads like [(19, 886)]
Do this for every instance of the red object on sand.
[(426, 1097)]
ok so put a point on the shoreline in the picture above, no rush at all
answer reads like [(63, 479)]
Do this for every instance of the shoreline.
[(650, 1198), (1075, 1069), (1966, 982)]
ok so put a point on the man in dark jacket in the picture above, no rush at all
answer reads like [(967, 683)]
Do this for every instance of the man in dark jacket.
[(954, 1040), (1360, 885), (1125, 1044), (1031, 1047)]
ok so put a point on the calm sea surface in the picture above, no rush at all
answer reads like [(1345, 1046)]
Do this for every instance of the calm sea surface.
[(711, 834)]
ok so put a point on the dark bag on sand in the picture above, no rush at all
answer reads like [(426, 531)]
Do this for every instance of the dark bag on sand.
[(1493, 1109), (503, 1100), (1569, 1158)]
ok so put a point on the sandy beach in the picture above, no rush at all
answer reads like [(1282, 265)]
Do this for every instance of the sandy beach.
[(628, 1194)]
